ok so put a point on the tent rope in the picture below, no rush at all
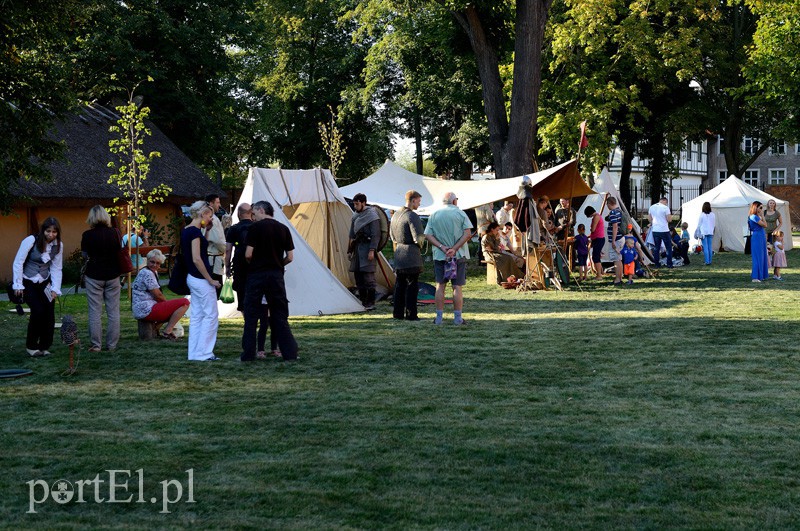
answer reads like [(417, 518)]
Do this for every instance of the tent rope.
[(285, 187)]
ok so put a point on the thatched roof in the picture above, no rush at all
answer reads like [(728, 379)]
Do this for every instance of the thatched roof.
[(82, 179)]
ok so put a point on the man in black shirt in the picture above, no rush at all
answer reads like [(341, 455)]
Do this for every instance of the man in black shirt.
[(269, 249)]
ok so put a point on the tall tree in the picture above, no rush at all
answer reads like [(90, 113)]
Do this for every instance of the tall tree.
[(627, 68), (188, 48), (36, 86), (512, 127), (420, 66), (304, 63)]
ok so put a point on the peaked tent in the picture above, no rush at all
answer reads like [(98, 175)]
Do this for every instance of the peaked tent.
[(387, 187), (311, 205), (730, 203), (603, 184)]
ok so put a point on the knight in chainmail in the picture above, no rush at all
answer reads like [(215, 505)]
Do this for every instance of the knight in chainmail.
[(365, 232)]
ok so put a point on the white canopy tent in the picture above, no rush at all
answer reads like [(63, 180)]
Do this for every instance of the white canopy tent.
[(311, 205), (387, 187), (730, 203)]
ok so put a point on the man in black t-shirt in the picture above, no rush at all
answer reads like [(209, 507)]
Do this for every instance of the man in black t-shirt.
[(269, 249)]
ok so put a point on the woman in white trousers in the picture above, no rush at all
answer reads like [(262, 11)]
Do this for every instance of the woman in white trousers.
[(203, 315)]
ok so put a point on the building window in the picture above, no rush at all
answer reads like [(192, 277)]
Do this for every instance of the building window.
[(751, 177), (777, 176), (797, 149), (700, 152), (750, 145), (778, 147), (797, 176), (688, 153), (720, 145), (723, 174)]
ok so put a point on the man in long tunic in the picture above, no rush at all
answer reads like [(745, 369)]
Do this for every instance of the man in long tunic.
[(365, 232), (406, 233)]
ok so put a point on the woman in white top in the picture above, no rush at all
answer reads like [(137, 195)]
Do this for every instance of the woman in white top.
[(37, 278), (705, 227)]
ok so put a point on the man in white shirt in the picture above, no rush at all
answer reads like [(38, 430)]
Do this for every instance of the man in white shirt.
[(659, 215), (504, 215)]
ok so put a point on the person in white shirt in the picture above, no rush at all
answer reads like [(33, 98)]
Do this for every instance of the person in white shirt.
[(37, 278), (705, 229), (504, 215), (659, 215)]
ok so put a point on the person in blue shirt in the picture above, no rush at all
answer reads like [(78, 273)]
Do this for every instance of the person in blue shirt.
[(629, 257), (582, 251)]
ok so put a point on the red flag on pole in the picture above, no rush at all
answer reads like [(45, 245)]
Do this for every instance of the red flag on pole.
[(584, 141)]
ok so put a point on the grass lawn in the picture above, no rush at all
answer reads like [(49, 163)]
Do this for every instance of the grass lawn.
[(671, 403)]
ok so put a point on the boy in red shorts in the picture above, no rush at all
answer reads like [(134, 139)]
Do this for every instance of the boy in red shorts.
[(629, 258)]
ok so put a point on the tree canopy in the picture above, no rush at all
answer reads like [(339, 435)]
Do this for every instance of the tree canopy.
[(238, 83)]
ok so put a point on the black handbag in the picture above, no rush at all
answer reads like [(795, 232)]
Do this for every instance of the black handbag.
[(177, 280)]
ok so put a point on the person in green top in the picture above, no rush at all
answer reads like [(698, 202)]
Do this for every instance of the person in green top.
[(448, 230)]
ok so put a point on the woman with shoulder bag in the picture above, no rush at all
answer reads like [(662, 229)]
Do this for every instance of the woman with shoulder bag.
[(37, 278), (203, 318), (100, 246)]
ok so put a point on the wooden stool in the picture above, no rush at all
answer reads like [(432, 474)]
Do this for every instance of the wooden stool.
[(491, 274), (148, 330)]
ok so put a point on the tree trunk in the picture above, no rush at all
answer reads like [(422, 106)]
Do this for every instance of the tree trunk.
[(627, 144), (511, 143), (418, 140), (657, 168)]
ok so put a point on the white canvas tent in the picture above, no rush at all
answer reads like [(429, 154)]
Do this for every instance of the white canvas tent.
[(311, 205), (387, 187), (730, 203), (603, 184)]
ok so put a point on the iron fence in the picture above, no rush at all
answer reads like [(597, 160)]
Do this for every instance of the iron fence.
[(676, 196)]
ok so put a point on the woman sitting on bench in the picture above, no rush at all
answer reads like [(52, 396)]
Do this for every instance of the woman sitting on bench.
[(149, 303)]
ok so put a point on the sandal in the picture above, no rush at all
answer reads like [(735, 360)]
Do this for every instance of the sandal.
[(261, 355), (168, 336)]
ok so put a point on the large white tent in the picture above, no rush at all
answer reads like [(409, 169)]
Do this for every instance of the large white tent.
[(387, 187), (311, 205), (730, 203)]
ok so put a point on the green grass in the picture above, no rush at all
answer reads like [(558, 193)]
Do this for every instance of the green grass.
[(671, 403)]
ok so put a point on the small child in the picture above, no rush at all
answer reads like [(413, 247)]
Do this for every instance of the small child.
[(779, 255), (629, 257), (582, 250)]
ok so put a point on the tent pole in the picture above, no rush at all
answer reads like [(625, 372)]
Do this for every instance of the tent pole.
[(280, 172), (327, 217)]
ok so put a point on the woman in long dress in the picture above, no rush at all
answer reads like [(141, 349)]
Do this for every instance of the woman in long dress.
[(758, 242), (504, 261)]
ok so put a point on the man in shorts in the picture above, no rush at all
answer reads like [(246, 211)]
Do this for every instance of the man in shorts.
[(449, 229)]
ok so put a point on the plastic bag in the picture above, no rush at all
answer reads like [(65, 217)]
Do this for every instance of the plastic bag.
[(451, 269), (226, 294)]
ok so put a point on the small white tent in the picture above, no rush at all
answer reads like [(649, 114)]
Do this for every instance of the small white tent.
[(387, 187), (730, 203), (311, 205)]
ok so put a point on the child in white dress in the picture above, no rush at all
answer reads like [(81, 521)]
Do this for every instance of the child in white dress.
[(779, 255)]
